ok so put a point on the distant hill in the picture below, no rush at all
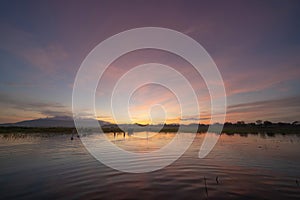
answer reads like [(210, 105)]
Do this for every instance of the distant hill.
[(63, 121)]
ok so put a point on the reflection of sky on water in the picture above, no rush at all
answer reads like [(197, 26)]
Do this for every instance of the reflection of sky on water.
[(247, 167)]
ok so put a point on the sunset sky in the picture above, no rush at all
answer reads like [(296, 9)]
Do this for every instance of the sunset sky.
[(255, 44)]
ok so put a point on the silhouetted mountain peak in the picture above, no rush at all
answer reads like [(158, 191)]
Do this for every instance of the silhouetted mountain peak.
[(58, 121)]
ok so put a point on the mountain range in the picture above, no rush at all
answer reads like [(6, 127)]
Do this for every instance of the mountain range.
[(61, 121)]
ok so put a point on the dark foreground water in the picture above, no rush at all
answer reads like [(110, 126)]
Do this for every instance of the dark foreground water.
[(239, 167)]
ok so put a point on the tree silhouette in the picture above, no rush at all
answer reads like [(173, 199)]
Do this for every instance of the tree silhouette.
[(259, 122), (267, 123)]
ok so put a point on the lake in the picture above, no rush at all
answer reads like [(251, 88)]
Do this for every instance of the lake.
[(241, 166)]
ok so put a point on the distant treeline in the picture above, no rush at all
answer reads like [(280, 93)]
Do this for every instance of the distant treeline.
[(230, 128), (242, 127)]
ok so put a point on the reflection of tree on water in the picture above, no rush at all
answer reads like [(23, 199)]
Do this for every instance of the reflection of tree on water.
[(130, 131), (74, 132)]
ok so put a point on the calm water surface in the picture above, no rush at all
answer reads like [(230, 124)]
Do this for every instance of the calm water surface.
[(239, 167)]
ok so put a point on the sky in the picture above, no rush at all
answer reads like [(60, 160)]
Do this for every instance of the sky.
[(255, 45)]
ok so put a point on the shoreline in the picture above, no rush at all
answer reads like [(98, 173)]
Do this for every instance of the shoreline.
[(228, 129)]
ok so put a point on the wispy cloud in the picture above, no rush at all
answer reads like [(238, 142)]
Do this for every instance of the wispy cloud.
[(47, 57), (276, 103), (195, 118), (36, 108), (286, 109)]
